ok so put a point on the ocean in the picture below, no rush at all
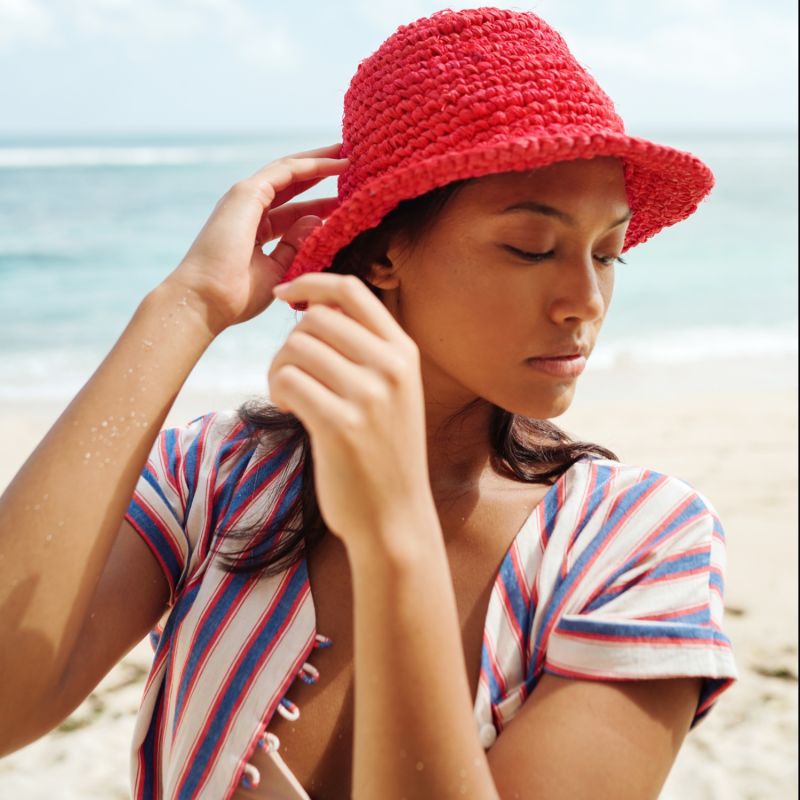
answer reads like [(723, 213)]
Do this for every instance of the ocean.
[(89, 224)]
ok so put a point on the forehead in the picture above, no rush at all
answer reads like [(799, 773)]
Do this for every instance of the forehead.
[(598, 180)]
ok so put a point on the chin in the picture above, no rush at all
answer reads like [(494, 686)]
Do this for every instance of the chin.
[(546, 408)]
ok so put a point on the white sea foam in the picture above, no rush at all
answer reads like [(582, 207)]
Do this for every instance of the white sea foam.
[(693, 345), (240, 365), (87, 156)]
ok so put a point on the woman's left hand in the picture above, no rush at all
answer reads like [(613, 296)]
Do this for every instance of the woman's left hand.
[(351, 375)]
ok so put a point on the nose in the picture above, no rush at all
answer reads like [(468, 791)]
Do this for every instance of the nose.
[(581, 290)]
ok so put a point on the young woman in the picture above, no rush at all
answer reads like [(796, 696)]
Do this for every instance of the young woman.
[(475, 605)]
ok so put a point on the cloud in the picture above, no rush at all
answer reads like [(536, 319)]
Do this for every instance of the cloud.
[(23, 22), (243, 34)]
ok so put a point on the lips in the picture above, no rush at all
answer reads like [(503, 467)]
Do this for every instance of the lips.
[(562, 367), (568, 352)]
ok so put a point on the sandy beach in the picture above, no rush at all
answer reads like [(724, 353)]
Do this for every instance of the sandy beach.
[(727, 427)]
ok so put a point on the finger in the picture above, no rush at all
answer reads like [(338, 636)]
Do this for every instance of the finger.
[(349, 340), (239, 212), (325, 364), (350, 295), (294, 190), (316, 406), (281, 257), (328, 150), (276, 221), (273, 179)]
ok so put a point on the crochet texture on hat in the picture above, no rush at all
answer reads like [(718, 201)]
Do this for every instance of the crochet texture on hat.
[(463, 94)]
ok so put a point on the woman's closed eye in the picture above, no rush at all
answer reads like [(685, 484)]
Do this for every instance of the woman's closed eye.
[(606, 261)]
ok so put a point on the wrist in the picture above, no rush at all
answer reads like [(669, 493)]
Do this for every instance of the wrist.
[(398, 544), (188, 302), (175, 302)]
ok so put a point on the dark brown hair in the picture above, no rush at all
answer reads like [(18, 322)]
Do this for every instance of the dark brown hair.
[(525, 449)]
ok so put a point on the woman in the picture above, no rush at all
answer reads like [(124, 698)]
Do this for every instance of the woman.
[(492, 610)]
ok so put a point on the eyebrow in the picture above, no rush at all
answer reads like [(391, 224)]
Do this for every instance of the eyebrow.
[(549, 211)]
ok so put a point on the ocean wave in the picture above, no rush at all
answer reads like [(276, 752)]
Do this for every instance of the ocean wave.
[(59, 373), (695, 344), (26, 157)]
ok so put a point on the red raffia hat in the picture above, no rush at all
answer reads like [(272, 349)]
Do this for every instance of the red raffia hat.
[(461, 94)]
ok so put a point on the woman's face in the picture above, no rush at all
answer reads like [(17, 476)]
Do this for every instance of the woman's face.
[(477, 307)]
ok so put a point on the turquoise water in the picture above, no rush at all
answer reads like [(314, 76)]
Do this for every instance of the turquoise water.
[(88, 225)]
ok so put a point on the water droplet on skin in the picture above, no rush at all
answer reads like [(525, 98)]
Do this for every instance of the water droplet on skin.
[(61, 523), (87, 455), (92, 430), (463, 788), (182, 301), (91, 616), (36, 507), (147, 343), (49, 537), (45, 496), (420, 766)]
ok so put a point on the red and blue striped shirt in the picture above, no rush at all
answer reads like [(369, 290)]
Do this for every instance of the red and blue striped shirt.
[(617, 574)]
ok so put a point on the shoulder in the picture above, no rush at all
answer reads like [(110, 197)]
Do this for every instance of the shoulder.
[(635, 488), (627, 505)]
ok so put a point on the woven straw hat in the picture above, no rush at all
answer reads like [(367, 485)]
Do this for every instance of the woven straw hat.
[(468, 93)]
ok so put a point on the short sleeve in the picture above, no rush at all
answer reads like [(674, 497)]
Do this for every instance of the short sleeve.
[(643, 591), (175, 478)]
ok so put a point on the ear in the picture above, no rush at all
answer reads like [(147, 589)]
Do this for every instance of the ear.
[(384, 274)]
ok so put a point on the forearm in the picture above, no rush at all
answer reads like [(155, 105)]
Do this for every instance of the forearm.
[(415, 733), (61, 512)]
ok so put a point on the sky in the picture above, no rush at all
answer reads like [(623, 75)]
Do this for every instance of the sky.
[(164, 66)]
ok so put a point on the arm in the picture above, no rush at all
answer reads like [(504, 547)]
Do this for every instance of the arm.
[(415, 732), (414, 726), (62, 512), (54, 543)]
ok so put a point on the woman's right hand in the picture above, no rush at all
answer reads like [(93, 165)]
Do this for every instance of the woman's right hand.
[(227, 277)]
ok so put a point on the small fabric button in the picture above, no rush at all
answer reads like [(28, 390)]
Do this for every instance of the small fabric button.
[(488, 736)]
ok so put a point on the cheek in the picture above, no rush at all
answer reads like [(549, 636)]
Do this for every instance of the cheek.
[(453, 306), (607, 288)]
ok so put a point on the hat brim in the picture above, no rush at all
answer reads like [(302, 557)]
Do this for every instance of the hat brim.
[(663, 186)]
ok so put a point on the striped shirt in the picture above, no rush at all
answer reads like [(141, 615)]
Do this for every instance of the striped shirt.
[(618, 573)]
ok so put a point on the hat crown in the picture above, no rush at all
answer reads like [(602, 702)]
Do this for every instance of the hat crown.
[(458, 79)]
